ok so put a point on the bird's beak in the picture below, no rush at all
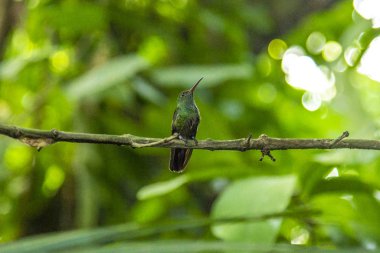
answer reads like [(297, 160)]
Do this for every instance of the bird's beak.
[(195, 85)]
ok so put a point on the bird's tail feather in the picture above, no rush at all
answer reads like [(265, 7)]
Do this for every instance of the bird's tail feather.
[(179, 157)]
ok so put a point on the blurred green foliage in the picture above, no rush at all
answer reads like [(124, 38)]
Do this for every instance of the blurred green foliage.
[(116, 67)]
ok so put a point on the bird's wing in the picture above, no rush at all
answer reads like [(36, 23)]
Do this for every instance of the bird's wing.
[(192, 125), (175, 114)]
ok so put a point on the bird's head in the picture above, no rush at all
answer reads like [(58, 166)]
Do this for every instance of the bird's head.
[(187, 95)]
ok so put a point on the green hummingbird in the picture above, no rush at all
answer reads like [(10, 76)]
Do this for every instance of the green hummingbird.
[(185, 123)]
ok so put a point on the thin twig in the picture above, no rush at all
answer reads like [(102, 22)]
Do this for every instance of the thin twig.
[(153, 144)]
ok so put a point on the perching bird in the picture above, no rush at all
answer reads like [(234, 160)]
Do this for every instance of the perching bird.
[(185, 123)]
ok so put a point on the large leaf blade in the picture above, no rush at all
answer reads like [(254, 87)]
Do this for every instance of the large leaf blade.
[(252, 197), (103, 77)]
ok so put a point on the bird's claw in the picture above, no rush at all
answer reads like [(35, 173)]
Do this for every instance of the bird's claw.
[(183, 139), (186, 141)]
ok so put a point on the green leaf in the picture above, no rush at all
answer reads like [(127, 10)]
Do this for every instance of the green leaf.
[(113, 239), (147, 91), (253, 197), (165, 187), (11, 67), (347, 157), (341, 185), (161, 188), (191, 246), (101, 78), (67, 240)]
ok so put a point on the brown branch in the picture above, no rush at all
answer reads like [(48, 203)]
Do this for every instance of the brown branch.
[(42, 138)]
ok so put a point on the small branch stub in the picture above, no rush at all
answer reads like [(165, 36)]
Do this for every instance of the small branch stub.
[(55, 133), (246, 143), (345, 134)]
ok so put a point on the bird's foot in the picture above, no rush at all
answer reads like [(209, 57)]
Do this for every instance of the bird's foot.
[(183, 139)]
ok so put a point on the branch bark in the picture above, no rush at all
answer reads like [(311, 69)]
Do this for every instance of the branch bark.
[(42, 138)]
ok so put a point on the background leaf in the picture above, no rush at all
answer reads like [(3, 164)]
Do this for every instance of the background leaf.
[(105, 76), (251, 197)]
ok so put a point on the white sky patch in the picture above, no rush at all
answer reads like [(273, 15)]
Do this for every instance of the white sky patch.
[(376, 195), (369, 244), (299, 236), (333, 173), (303, 73), (369, 9), (347, 197), (370, 62)]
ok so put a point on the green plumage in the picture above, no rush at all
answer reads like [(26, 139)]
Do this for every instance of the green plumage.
[(185, 122)]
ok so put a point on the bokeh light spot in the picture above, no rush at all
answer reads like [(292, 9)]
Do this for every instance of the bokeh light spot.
[(369, 9), (60, 61), (18, 158), (370, 62), (264, 65), (315, 42), (302, 72), (153, 49), (54, 178), (311, 101), (232, 109), (331, 51), (351, 55), (299, 236), (17, 186), (267, 93), (277, 48), (27, 100), (5, 110), (333, 173)]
